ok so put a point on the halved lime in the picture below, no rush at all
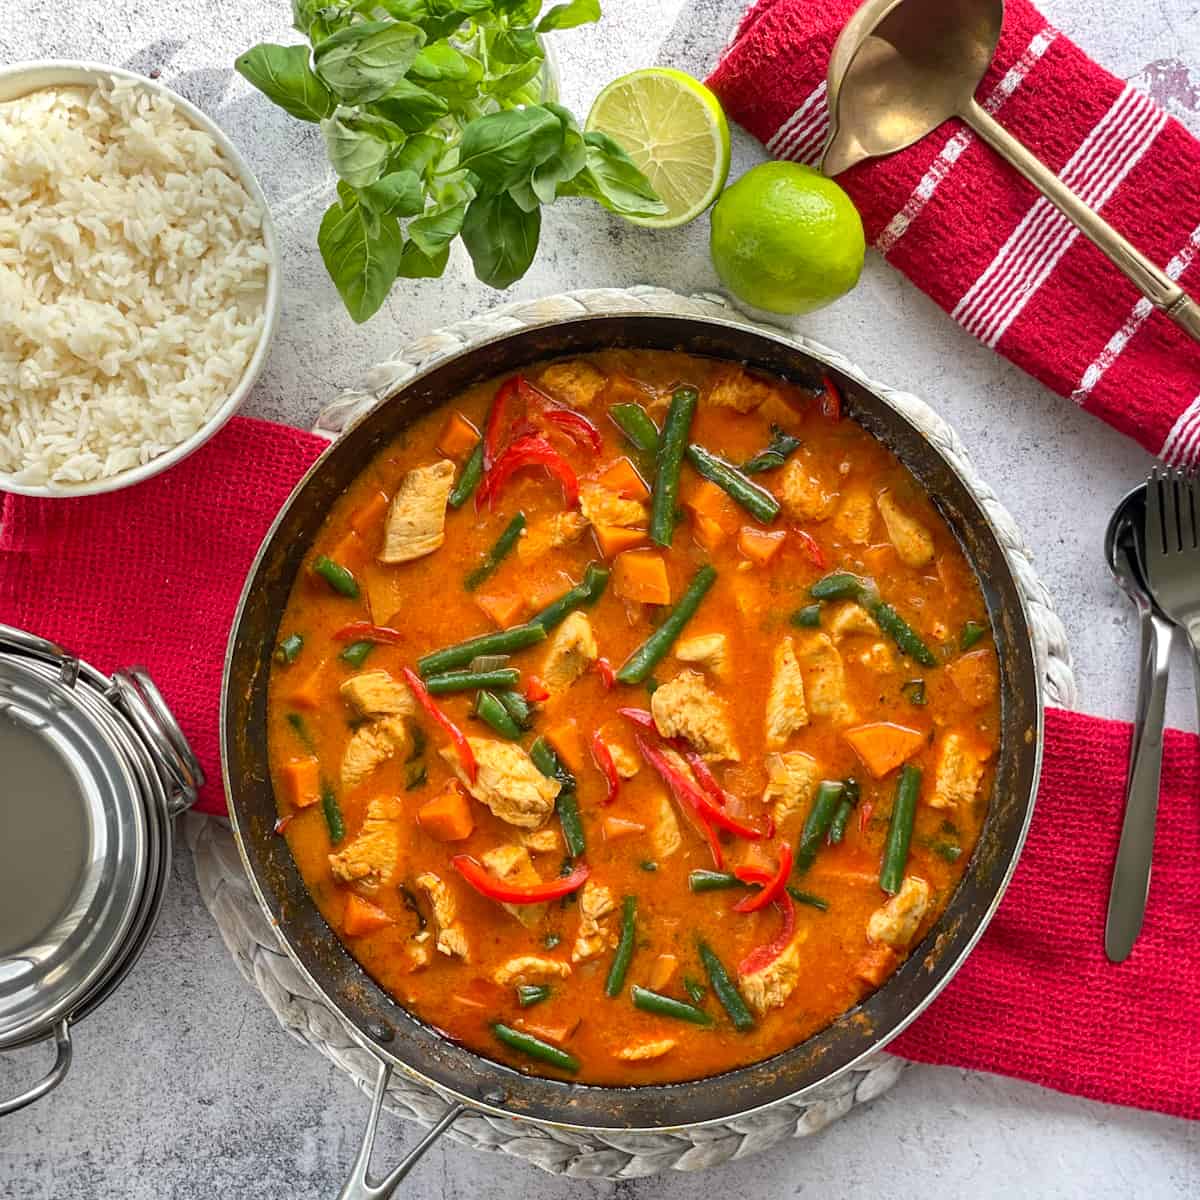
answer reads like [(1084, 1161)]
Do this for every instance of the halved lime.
[(672, 126)]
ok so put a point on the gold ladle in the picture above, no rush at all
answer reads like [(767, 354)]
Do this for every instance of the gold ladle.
[(902, 67)]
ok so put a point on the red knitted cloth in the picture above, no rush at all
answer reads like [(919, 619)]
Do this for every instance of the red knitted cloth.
[(151, 576), (967, 230)]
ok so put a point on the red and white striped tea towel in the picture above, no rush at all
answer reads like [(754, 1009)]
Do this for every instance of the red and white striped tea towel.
[(967, 230)]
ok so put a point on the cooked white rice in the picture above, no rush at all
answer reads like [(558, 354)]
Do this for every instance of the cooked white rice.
[(133, 278)]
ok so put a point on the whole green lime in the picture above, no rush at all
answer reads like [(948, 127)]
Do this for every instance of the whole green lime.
[(786, 239)]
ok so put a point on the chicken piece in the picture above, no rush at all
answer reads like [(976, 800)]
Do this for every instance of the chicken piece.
[(574, 382), (803, 494), (849, 619), (604, 507), (572, 650), (824, 676), (513, 865), (786, 710), (530, 968), (542, 841), (372, 856), (595, 903), (507, 782), (451, 936), (896, 922), (792, 780), (625, 760), (416, 523), (419, 951), (854, 518), (770, 987), (378, 694), (550, 533), (959, 770), (736, 388), (688, 708), (913, 542), (646, 1050), (665, 839), (372, 745), (877, 963), (708, 650)]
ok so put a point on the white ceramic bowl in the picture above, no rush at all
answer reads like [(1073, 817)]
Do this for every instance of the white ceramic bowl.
[(23, 78)]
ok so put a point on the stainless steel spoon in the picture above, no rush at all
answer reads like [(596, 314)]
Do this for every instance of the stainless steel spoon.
[(1131, 872), (902, 67)]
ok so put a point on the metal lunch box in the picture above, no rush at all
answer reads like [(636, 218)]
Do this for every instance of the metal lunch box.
[(92, 771)]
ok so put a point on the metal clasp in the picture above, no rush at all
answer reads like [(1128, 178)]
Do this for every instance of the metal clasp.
[(41, 648)]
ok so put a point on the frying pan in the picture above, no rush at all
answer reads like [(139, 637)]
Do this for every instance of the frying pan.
[(398, 1040)]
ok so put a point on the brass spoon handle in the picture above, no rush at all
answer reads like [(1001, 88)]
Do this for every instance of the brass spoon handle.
[(1155, 284)]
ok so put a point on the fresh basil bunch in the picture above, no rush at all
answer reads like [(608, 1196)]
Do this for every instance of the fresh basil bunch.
[(432, 118)]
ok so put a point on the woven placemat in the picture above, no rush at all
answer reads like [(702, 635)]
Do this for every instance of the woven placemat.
[(598, 1153)]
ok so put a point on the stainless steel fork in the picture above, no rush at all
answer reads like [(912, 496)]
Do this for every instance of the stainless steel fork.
[(1172, 550)]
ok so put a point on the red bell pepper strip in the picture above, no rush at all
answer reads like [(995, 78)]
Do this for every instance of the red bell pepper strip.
[(604, 669), (700, 769), (812, 550), (486, 884), (284, 822), (364, 631), (764, 956), (426, 701), (530, 450), (604, 760), (639, 716), (831, 399), (772, 886), (577, 427), (535, 690), (864, 817), (495, 420)]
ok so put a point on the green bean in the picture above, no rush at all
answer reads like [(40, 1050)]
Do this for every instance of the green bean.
[(470, 681), (503, 641), (754, 498), (526, 1043), (287, 650), (495, 556), (712, 881), (644, 659), (356, 653), (668, 459), (468, 481), (808, 617), (566, 806), (550, 765), (841, 585), (972, 632), (730, 998), (297, 722), (816, 824), (695, 989), (624, 955), (529, 994), (666, 1006), (636, 424), (903, 634), (899, 838), (809, 898), (336, 576), (333, 814), (518, 707), (489, 710), (595, 580), (850, 795)]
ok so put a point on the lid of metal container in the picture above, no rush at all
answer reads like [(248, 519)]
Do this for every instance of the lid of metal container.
[(89, 771)]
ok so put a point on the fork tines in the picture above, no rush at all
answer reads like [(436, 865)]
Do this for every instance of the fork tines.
[(1172, 511)]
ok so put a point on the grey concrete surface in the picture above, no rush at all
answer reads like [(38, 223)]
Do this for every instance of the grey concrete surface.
[(183, 1086)]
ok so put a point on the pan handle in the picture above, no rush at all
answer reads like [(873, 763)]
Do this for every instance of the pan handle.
[(360, 1186), (62, 1060)]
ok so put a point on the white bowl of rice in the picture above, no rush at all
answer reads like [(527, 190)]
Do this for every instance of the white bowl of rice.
[(139, 278)]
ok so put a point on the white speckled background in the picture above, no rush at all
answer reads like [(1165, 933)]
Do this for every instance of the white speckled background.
[(183, 1086)]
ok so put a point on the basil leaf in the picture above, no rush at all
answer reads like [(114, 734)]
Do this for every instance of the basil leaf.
[(365, 61), (435, 230), (500, 238), (441, 61), (566, 164), (410, 106), (357, 144), (417, 153), (567, 16), (511, 81), (398, 194), (775, 455), (503, 148), (514, 44), (612, 180), (525, 197), (283, 75), (415, 264), (362, 267)]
